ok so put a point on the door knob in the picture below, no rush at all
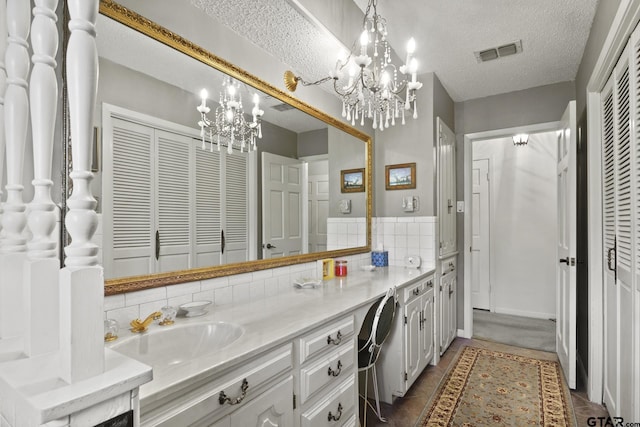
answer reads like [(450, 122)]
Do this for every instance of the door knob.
[(270, 246), (565, 260)]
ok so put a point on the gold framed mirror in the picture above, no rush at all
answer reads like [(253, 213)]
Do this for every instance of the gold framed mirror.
[(335, 128)]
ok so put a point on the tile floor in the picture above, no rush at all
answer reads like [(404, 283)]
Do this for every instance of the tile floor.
[(405, 411)]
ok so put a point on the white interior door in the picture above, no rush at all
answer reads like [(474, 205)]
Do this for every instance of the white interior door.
[(283, 190), (566, 272), (318, 212), (480, 250)]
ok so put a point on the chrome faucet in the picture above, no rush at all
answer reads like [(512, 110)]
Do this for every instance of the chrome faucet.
[(138, 325)]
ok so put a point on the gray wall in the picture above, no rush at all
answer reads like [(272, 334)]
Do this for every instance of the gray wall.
[(412, 142), (602, 21), (313, 143), (345, 152)]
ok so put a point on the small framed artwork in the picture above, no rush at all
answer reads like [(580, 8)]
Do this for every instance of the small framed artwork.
[(400, 177), (352, 180)]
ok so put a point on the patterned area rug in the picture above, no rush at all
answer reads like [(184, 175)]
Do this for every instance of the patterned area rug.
[(491, 388)]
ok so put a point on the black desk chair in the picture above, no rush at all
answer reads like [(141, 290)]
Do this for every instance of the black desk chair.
[(375, 328)]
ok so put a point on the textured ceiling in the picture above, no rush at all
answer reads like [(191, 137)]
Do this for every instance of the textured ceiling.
[(149, 57), (447, 33)]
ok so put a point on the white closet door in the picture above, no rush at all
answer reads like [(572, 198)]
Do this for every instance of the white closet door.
[(173, 197), (446, 188), (610, 395), (207, 206), (635, 156), (624, 234), (127, 203), (236, 207)]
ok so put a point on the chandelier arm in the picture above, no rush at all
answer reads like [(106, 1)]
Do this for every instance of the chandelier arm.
[(317, 82)]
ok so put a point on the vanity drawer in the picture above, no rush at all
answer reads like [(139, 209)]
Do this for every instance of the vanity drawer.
[(448, 265), (335, 410), (202, 401), (416, 289), (331, 368), (325, 338)]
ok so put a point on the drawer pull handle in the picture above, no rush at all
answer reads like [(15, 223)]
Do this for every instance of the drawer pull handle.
[(223, 398), (335, 341), (336, 417), (416, 291), (430, 284), (335, 373)]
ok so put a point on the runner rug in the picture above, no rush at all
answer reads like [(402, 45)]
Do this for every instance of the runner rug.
[(492, 388)]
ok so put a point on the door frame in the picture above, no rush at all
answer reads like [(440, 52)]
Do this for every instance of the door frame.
[(624, 22), (467, 332)]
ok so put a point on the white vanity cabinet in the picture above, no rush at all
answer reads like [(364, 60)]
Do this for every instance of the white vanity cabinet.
[(327, 357), (447, 297), (410, 345), (258, 392)]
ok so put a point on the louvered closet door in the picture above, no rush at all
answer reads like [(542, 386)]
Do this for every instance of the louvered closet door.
[(174, 200), (609, 207), (624, 232), (208, 212), (236, 207), (635, 156), (127, 203), (618, 109)]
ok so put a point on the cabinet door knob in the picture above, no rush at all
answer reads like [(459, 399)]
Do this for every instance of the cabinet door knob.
[(416, 291), (223, 398)]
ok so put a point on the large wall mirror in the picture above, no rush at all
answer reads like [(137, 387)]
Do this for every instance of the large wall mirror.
[(177, 209)]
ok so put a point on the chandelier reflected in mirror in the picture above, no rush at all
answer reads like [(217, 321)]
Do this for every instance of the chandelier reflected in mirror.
[(373, 87), (229, 126)]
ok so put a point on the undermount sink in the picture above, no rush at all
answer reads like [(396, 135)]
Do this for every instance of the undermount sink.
[(177, 344)]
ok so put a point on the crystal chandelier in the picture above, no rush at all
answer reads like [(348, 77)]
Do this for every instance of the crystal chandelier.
[(229, 126), (520, 139), (374, 88)]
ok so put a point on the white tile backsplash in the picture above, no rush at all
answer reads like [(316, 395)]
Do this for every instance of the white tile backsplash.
[(392, 233)]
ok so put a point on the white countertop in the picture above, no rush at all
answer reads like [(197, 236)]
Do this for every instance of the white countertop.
[(274, 320)]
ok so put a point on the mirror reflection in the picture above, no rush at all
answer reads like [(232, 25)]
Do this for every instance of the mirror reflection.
[(175, 195)]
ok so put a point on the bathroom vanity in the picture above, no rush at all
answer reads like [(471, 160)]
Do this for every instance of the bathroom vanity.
[(295, 360)]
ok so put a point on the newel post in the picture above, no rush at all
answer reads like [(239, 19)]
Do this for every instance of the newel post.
[(81, 281), (41, 287)]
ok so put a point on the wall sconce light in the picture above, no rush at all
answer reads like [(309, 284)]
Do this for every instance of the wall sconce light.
[(520, 139)]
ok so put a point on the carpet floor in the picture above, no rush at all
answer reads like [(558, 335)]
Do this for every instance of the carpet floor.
[(487, 387), (526, 332)]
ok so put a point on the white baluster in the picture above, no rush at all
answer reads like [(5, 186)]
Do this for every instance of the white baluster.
[(44, 94), (3, 87), (81, 281), (82, 77), (41, 284), (16, 117), (16, 121)]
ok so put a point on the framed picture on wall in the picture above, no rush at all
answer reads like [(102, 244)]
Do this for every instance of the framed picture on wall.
[(400, 177), (352, 180)]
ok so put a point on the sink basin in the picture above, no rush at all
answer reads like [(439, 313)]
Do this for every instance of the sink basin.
[(174, 345)]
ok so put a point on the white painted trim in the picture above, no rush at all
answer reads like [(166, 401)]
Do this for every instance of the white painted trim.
[(468, 164), (626, 19), (524, 313), (460, 333), (253, 207)]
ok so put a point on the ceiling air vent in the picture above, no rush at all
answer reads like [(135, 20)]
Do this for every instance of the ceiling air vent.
[(283, 107), (498, 52)]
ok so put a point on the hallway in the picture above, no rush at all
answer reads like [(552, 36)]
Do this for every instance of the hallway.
[(406, 411)]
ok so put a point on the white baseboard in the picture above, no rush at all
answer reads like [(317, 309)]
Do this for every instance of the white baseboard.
[(462, 334), (533, 314)]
